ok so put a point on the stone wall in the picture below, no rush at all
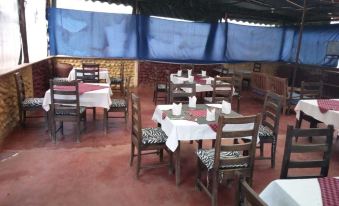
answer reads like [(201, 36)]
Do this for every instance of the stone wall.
[(112, 65)]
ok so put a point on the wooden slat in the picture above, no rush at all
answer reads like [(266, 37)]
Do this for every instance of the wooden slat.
[(306, 164), (236, 147), (235, 161), (302, 148)]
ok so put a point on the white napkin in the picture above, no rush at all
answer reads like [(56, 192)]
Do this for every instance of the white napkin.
[(209, 80), (189, 72), (176, 109), (225, 107), (210, 114), (190, 78), (179, 73), (203, 73), (192, 102)]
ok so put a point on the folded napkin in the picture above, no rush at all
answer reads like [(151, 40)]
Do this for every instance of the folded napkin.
[(189, 72), (190, 78), (203, 73), (225, 107), (192, 101), (179, 73), (210, 114), (209, 80), (176, 109)]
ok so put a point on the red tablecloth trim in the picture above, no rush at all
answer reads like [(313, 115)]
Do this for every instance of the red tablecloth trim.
[(214, 126), (83, 87), (327, 104), (199, 79), (329, 188), (198, 113)]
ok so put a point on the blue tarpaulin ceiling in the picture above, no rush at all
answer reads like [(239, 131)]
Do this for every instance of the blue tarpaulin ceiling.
[(93, 34)]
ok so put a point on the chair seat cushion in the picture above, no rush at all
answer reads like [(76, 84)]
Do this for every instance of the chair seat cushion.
[(116, 80), (32, 102), (161, 87), (60, 79), (207, 158), (265, 132), (118, 103), (153, 136), (82, 110)]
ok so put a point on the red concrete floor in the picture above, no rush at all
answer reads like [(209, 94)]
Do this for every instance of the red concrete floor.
[(34, 171)]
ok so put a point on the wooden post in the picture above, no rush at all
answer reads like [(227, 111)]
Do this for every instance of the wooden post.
[(22, 23)]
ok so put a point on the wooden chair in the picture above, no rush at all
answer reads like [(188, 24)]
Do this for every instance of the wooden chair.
[(26, 104), (161, 86), (178, 94), (65, 106), (119, 81), (245, 195), (325, 147), (259, 84), (269, 127), (146, 139), (222, 90), (119, 105), (89, 73), (186, 67), (237, 81), (257, 67), (225, 159)]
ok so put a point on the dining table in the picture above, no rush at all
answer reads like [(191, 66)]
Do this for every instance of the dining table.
[(302, 192), (190, 125), (322, 110), (103, 74)]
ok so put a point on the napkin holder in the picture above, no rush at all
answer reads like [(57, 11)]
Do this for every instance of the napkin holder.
[(192, 102), (179, 73), (203, 73), (176, 109), (210, 114), (226, 107), (189, 72)]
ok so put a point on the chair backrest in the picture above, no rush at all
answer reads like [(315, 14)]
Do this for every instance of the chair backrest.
[(136, 118), (20, 86), (89, 73), (237, 80), (257, 67), (245, 195), (279, 86), (178, 93), (222, 89), (246, 149), (122, 70), (65, 98), (308, 150), (127, 83), (259, 81), (186, 67), (271, 112), (311, 90)]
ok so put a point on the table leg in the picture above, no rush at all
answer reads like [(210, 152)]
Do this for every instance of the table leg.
[(105, 120), (177, 165), (298, 122)]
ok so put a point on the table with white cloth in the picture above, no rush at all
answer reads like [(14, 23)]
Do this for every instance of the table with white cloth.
[(293, 192), (96, 98), (175, 79), (311, 108), (179, 129), (103, 74)]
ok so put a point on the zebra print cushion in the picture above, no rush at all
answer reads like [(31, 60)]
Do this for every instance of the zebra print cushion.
[(60, 79), (116, 80), (153, 136), (118, 103), (82, 109), (207, 158), (265, 132), (32, 102)]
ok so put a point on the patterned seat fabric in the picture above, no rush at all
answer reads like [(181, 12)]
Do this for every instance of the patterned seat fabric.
[(118, 103), (161, 86), (32, 102), (61, 79), (153, 136), (265, 132), (207, 158), (82, 109), (116, 80)]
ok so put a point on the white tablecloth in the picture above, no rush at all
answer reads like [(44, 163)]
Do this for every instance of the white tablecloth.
[(292, 192), (96, 98), (103, 74), (310, 107), (199, 87), (188, 130)]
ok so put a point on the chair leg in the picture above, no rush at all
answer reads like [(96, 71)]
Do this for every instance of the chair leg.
[(21, 117), (161, 155), (62, 128), (24, 118), (215, 185), (132, 154), (198, 177), (273, 151), (105, 120), (53, 125), (78, 130), (94, 113), (238, 104), (171, 168), (261, 149), (138, 164)]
